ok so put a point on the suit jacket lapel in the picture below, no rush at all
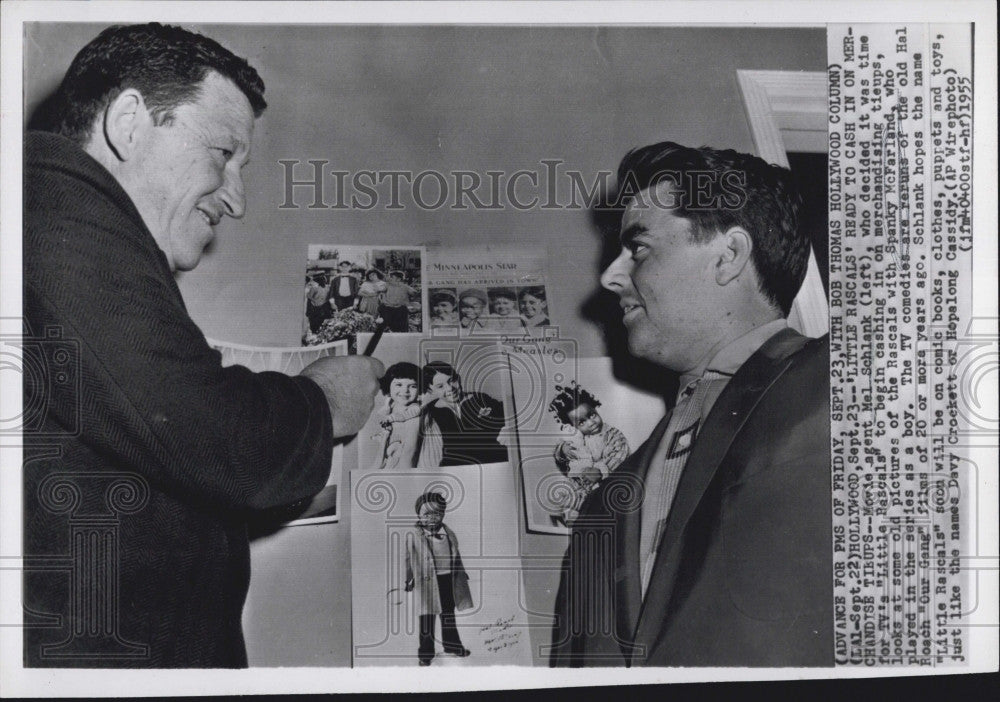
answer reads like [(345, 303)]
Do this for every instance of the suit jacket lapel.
[(727, 417), (628, 586)]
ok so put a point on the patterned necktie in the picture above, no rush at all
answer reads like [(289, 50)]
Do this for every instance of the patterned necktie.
[(663, 477)]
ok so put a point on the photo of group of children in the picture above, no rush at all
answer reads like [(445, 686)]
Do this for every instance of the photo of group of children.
[(489, 310), (429, 588), (432, 411), (350, 289)]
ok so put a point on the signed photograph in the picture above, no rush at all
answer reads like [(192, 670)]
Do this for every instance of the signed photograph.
[(574, 433), (434, 580)]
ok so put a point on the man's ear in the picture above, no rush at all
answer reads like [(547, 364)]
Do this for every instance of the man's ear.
[(735, 247), (126, 120)]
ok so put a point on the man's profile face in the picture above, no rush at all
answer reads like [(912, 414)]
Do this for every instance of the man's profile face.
[(187, 173), (665, 282)]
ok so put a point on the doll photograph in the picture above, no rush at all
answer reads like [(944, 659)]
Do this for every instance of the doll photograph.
[(431, 581), (593, 449), (432, 413), (576, 424)]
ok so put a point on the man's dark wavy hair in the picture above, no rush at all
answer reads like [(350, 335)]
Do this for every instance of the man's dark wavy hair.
[(166, 64), (744, 191)]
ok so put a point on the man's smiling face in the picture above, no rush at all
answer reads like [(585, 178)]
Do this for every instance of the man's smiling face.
[(186, 176), (666, 284)]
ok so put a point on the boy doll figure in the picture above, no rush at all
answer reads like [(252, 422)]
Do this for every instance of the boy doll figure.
[(592, 451), (434, 570), (399, 417)]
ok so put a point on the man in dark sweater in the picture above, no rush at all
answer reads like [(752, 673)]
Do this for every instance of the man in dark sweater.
[(149, 456)]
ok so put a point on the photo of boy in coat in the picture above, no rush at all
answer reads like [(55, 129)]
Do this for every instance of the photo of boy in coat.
[(435, 572)]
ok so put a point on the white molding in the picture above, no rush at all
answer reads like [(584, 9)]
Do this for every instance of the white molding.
[(790, 99)]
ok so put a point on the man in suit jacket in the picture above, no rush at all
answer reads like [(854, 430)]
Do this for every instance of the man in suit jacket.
[(149, 456), (711, 545)]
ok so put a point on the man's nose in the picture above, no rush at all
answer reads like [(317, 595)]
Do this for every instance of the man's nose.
[(616, 275), (232, 196)]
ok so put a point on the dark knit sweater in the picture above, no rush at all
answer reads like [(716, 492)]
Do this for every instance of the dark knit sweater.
[(144, 456)]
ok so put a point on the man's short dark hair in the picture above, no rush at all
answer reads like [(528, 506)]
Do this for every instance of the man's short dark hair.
[(435, 499), (166, 64), (719, 189)]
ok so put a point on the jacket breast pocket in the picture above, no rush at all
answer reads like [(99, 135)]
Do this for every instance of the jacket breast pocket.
[(773, 558)]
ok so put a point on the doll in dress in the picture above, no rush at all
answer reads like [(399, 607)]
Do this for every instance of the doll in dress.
[(592, 450)]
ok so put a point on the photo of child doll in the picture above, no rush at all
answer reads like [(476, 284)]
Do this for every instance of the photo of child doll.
[(444, 307), (534, 308), (504, 317), (399, 417), (435, 572), (472, 307), (593, 450)]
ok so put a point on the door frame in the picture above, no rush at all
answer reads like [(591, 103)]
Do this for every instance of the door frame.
[(787, 110)]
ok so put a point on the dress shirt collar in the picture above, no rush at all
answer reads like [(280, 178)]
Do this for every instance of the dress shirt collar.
[(734, 354)]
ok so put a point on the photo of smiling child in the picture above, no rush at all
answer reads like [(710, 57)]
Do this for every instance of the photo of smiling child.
[(444, 307), (592, 451), (504, 317), (533, 306), (399, 416), (472, 306)]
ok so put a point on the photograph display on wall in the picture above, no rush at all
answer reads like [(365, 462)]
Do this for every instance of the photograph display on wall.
[(349, 289), (476, 292), (435, 568), (576, 424), (440, 404)]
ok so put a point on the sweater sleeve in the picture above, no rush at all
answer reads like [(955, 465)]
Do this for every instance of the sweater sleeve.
[(152, 395)]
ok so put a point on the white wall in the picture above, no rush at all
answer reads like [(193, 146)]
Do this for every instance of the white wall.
[(445, 98)]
